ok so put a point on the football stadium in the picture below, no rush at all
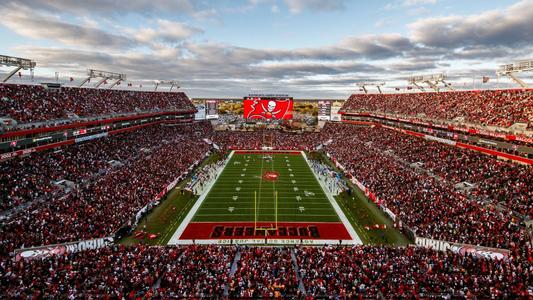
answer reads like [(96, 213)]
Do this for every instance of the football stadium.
[(287, 149)]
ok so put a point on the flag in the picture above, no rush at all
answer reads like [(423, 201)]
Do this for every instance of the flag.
[(486, 79)]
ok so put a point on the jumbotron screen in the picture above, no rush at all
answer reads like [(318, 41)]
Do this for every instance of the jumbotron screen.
[(268, 107)]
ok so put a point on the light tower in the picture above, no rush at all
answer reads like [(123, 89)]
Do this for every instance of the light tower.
[(18, 63), (104, 75), (517, 67), (172, 83), (378, 85), (432, 80)]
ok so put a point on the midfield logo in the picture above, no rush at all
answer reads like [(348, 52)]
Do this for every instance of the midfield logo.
[(270, 175)]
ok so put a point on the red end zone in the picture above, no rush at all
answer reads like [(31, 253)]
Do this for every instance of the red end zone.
[(285, 230)]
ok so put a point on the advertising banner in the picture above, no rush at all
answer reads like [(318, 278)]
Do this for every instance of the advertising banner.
[(335, 116), (200, 114), (211, 109), (324, 110)]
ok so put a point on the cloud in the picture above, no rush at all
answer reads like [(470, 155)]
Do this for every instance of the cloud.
[(418, 2), (43, 26), (301, 68), (408, 3), (511, 27), (108, 8), (167, 31), (297, 6)]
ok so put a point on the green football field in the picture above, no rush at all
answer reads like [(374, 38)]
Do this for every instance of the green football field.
[(241, 194)]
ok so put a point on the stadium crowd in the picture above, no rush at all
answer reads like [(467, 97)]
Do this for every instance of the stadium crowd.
[(270, 138), (34, 103), (102, 206), (264, 272), (200, 272), (204, 271), (492, 107), (398, 273), (27, 178), (497, 181), (426, 205), (114, 177)]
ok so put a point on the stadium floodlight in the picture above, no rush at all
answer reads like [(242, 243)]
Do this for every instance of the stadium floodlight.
[(18, 63), (104, 75), (517, 67), (173, 83), (363, 85), (431, 80)]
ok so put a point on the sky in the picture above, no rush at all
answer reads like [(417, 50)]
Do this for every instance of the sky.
[(304, 48)]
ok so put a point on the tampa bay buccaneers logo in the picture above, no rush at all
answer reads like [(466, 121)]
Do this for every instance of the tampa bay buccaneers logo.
[(268, 109)]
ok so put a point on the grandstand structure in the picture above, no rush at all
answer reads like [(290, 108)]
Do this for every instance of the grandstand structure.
[(119, 193)]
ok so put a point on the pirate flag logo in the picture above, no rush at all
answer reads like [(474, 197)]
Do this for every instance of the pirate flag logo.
[(268, 109)]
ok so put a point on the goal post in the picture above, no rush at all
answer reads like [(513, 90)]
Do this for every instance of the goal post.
[(256, 215)]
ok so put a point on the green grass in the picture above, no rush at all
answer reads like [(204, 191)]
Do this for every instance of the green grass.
[(165, 219), (242, 178)]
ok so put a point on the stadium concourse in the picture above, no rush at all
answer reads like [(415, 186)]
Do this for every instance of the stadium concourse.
[(66, 206)]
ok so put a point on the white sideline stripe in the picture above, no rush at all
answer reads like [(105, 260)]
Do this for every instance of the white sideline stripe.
[(355, 237), (175, 237)]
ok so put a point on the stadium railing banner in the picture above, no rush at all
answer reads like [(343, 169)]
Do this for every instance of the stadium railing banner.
[(91, 137), (479, 251), (60, 249)]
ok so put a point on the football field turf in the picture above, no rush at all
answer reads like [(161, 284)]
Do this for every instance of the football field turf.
[(271, 195), (242, 189)]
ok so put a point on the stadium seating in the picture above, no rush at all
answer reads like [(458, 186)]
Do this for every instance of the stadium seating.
[(204, 271), (32, 177), (427, 205), (495, 108), (101, 206), (114, 177), (201, 271), (500, 182), (408, 273), (265, 273), (33, 103)]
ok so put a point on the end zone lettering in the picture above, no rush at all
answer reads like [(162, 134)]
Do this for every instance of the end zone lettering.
[(310, 231)]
